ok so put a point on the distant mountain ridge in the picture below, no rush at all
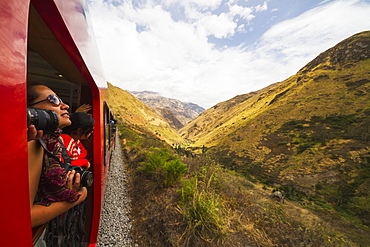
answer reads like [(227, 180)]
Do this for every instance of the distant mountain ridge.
[(177, 113), (308, 134), (132, 112)]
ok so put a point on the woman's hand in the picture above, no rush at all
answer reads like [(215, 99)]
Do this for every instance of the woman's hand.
[(84, 108), (74, 182), (33, 133)]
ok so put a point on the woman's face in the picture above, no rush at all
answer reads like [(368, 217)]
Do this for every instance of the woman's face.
[(61, 110)]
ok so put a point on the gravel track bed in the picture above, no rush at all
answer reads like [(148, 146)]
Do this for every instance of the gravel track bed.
[(115, 224)]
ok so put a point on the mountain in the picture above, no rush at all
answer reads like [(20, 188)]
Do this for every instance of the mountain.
[(309, 134), (132, 112), (177, 113)]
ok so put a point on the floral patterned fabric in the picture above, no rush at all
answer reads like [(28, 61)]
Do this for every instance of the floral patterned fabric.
[(52, 187)]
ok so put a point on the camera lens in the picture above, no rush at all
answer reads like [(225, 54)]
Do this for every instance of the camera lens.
[(87, 178), (43, 119)]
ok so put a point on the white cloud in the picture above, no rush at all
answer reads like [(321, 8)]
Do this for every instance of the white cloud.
[(144, 48), (244, 12), (297, 41), (199, 4), (241, 29), (263, 7), (220, 26)]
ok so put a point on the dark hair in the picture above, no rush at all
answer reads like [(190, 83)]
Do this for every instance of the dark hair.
[(80, 120), (32, 94)]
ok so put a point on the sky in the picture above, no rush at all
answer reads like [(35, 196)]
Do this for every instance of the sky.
[(208, 51)]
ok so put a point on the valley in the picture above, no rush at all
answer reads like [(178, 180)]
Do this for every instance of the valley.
[(307, 136)]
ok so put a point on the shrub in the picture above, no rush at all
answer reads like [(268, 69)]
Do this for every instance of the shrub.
[(202, 208), (303, 147), (189, 188), (174, 169), (156, 158), (163, 167)]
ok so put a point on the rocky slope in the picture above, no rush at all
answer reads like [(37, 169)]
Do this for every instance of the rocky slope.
[(177, 113)]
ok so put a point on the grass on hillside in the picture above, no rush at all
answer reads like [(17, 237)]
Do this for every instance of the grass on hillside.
[(333, 148), (207, 205)]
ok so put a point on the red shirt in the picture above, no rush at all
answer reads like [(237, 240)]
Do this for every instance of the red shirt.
[(76, 151)]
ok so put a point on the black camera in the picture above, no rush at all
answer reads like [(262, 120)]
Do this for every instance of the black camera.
[(87, 178), (43, 119)]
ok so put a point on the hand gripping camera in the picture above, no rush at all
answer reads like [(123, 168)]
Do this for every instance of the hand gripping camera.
[(87, 177)]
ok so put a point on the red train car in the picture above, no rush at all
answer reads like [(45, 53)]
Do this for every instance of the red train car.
[(50, 41)]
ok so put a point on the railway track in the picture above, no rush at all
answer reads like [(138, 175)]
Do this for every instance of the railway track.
[(115, 222)]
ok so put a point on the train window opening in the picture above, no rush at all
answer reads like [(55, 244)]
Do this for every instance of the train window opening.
[(49, 64)]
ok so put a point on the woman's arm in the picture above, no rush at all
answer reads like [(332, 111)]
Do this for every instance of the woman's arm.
[(83, 151), (41, 214), (33, 133), (35, 156), (84, 108)]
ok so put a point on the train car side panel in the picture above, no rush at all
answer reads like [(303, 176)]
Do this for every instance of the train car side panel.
[(13, 146), (99, 181)]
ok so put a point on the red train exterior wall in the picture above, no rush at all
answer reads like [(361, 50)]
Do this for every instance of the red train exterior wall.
[(13, 143), (72, 33)]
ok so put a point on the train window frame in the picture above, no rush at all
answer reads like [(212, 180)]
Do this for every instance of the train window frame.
[(106, 132), (48, 63), (109, 133), (61, 54)]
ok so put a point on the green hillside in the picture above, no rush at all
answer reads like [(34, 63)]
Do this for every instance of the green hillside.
[(308, 135)]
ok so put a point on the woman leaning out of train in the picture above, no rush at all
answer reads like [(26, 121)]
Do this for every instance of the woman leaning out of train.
[(52, 190)]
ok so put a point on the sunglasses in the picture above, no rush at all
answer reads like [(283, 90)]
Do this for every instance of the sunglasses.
[(53, 99)]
